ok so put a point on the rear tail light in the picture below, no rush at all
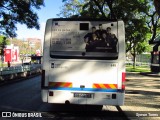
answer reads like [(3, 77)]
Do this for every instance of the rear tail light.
[(123, 80)]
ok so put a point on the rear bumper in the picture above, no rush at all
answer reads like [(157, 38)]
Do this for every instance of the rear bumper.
[(98, 98)]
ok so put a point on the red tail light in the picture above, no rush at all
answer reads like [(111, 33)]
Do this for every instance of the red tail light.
[(123, 80)]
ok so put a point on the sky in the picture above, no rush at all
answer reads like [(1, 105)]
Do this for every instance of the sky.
[(51, 8)]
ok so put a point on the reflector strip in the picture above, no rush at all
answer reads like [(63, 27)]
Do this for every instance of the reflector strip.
[(84, 89), (60, 84), (104, 86)]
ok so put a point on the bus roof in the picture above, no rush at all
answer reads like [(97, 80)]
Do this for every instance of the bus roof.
[(84, 19)]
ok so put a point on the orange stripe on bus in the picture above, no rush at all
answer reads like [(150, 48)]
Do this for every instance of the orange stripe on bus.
[(112, 86), (115, 85), (60, 84), (97, 86), (57, 84), (105, 86), (68, 85)]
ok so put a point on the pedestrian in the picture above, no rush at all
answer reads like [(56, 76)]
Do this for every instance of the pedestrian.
[(9, 64)]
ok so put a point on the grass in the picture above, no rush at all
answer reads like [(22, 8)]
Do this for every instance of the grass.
[(4, 64), (137, 69)]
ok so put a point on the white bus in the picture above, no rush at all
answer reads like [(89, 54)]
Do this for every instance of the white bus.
[(83, 62)]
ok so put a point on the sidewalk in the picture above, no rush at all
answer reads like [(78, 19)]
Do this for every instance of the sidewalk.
[(145, 75)]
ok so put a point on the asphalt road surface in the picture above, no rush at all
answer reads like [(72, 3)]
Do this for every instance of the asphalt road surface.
[(142, 98)]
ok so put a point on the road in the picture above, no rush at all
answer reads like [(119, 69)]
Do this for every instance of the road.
[(25, 96), (143, 95)]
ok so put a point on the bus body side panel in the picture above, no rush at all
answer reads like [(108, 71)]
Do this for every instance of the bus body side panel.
[(46, 57), (121, 61)]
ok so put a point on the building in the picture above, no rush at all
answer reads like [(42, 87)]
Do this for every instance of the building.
[(33, 42), (34, 45), (11, 53)]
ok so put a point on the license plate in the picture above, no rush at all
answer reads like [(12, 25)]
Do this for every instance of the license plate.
[(83, 95)]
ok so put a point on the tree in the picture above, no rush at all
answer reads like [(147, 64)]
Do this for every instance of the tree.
[(153, 21), (24, 46), (95, 9), (71, 8), (18, 11), (87, 8), (3, 41), (157, 6)]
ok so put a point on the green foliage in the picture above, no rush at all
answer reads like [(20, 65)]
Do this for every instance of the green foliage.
[(71, 8), (133, 14), (25, 48), (3, 40), (138, 69), (18, 11), (152, 21)]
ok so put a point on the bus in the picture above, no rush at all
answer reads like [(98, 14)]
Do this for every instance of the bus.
[(83, 62), (155, 55), (155, 61)]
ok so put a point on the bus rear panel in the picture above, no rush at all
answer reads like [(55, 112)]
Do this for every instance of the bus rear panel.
[(84, 62)]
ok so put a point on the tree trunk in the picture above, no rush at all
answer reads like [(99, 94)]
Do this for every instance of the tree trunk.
[(134, 61), (134, 58)]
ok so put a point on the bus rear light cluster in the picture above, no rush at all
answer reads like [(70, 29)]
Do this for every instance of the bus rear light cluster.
[(123, 80)]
